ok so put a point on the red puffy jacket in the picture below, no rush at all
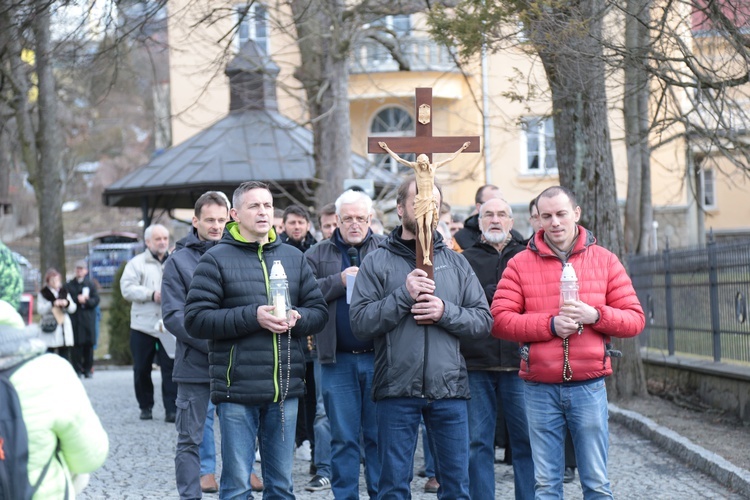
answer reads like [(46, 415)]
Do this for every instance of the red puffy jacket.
[(528, 296)]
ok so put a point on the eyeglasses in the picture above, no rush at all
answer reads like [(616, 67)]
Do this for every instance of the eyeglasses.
[(350, 220), (492, 215)]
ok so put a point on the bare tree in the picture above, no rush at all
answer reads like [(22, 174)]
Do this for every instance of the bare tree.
[(44, 82), (568, 38), (638, 206), (22, 26), (693, 56), (324, 40)]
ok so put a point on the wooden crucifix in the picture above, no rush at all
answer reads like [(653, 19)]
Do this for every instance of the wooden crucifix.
[(424, 144)]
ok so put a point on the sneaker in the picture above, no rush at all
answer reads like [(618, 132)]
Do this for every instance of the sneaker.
[(422, 473), (318, 483), (170, 417), (431, 486), (569, 475), (146, 414)]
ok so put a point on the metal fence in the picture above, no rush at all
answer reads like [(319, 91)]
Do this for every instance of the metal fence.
[(695, 300)]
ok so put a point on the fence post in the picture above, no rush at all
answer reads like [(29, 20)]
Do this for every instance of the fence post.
[(668, 299), (713, 281)]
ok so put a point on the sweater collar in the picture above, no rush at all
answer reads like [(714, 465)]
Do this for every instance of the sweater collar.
[(19, 344)]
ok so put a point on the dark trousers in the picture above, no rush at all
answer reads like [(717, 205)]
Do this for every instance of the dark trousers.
[(306, 410), (83, 358), (144, 348), (64, 352), (192, 403)]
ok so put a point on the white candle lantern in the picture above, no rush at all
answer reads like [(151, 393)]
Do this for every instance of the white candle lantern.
[(279, 288)]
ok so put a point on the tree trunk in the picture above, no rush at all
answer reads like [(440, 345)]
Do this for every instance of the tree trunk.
[(48, 185), (40, 146), (629, 378), (568, 38), (638, 208), (633, 139), (17, 72), (324, 73)]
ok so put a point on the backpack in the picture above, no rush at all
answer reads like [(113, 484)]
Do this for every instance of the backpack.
[(14, 444)]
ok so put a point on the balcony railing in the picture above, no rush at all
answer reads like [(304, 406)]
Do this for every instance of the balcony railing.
[(422, 54)]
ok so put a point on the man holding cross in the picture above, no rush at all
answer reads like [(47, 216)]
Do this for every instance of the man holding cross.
[(419, 371)]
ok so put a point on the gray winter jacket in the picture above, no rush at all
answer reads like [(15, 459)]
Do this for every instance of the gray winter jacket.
[(326, 260), (417, 360), (191, 354)]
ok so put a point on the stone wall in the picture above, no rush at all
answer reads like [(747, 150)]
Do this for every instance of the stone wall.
[(720, 385)]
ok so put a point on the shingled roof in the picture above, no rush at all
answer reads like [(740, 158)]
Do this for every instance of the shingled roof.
[(253, 142)]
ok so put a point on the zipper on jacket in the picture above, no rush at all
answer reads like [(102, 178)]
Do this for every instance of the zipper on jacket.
[(275, 368), (229, 368), (274, 337)]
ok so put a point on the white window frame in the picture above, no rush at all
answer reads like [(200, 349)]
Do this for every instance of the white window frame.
[(251, 25), (708, 188), (387, 162), (540, 123), (378, 55)]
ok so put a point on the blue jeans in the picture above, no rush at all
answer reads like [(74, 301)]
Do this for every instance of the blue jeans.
[(240, 424), (487, 388), (207, 449), (551, 409), (347, 384), (321, 428), (448, 430)]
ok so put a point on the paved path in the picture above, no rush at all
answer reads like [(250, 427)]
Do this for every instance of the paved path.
[(141, 460)]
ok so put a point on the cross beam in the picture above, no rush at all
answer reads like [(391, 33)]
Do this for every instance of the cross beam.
[(424, 143)]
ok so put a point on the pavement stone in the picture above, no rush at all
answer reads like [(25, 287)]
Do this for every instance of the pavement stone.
[(141, 460)]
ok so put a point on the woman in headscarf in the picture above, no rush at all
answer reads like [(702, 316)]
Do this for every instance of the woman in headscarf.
[(54, 298)]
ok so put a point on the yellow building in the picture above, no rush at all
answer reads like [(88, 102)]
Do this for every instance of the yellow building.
[(517, 136)]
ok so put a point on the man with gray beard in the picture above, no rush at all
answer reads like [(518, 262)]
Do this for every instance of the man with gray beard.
[(493, 365)]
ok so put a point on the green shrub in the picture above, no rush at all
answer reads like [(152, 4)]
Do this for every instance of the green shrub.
[(119, 324)]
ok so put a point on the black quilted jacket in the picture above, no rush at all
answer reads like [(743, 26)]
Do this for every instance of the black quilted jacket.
[(247, 363)]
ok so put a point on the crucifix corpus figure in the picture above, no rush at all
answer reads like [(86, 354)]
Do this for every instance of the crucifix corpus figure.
[(425, 206)]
